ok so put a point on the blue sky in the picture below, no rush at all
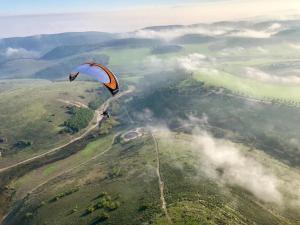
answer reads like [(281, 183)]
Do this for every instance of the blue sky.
[(51, 6), (32, 17)]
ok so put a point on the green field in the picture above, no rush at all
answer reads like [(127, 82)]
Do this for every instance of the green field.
[(35, 111), (133, 59), (223, 143), (127, 173), (248, 87), (126, 56)]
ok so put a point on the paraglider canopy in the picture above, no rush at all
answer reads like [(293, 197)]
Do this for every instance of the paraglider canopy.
[(98, 72)]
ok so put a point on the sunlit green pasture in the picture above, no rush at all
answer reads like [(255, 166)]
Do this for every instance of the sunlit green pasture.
[(248, 87)]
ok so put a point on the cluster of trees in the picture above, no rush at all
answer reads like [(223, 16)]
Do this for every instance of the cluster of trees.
[(64, 194), (107, 126), (96, 103), (105, 202), (80, 118)]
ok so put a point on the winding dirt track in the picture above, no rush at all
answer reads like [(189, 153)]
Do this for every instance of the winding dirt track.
[(75, 167), (160, 182), (99, 117), (92, 126)]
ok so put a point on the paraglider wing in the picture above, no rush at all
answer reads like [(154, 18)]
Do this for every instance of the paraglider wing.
[(101, 74), (113, 85)]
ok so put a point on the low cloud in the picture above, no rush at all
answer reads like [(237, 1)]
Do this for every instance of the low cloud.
[(196, 62), (189, 63), (15, 53), (294, 46), (226, 163), (252, 33), (192, 62), (170, 34), (231, 51), (242, 51), (274, 27), (257, 74), (208, 30)]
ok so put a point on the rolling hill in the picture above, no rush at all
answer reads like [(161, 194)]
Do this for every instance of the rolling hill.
[(205, 129)]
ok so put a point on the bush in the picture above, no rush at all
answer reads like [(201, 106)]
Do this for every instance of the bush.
[(142, 208), (95, 104), (105, 203), (111, 206), (63, 194), (90, 210), (107, 126), (80, 119), (22, 144)]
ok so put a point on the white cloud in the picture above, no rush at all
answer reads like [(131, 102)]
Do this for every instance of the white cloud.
[(274, 27), (13, 53), (294, 46), (189, 63), (230, 51), (192, 62), (226, 163), (172, 33), (257, 74), (258, 33), (252, 34), (135, 18), (241, 50), (212, 30)]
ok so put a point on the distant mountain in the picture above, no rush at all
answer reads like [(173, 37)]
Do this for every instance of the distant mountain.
[(166, 49), (234, 24), (62, 69), (49, 41), (289, 24), (22, 68), (289, 35), (167, 27), (244, 42), (68, 50), (193, 39)]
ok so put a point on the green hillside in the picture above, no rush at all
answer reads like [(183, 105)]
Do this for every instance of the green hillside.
[(205, 128)]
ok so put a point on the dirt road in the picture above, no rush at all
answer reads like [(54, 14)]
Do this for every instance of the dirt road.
[(160, 182), (92, 126)]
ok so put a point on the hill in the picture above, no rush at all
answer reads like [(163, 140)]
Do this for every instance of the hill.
[(46, 42), (205, 129)]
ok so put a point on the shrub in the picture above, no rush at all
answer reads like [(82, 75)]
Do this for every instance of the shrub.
[(80, 119), (22, 144), (90, 209)]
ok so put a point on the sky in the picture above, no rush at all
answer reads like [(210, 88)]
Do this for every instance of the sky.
[(31, 17), (49, 6)]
